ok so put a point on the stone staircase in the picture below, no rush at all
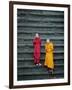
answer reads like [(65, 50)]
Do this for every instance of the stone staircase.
[(49, 24)]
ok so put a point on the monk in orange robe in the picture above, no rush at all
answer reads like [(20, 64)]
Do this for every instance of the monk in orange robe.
[(49, 55)]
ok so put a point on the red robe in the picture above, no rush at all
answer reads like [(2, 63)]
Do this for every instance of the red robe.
[(37, 44)]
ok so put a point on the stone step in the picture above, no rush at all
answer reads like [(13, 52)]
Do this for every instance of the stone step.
[(31, 32), (30, 55), (37, 23), (29, 42), (40, 28), (22, 12), (31, 66), (38, 72), (43, 15), (28, 29), (28, 61), (23, 35), (40, 77), (43, 38), (28, 51), (40, 25), (42, 58), (31, 48), (24, 21), (42, 45), (41, 19)]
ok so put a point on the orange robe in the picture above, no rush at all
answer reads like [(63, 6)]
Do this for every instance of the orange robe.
[(49, 55)]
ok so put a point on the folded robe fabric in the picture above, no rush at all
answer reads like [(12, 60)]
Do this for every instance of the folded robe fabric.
[(49, 55)]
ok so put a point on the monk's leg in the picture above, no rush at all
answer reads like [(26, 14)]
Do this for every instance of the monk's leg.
[(35, 59), (38, 61), (38, 58)]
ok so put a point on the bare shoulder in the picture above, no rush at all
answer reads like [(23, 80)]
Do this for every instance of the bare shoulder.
[(51, 43)]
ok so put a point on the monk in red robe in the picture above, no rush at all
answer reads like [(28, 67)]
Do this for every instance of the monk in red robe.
[(37, 47)]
